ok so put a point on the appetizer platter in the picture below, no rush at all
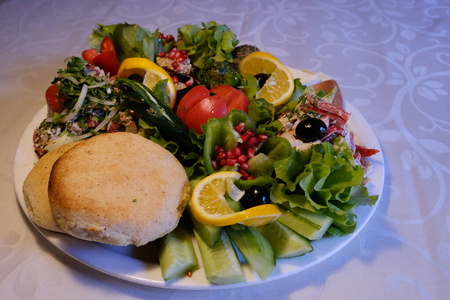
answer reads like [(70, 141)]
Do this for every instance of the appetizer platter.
[(272, 171)]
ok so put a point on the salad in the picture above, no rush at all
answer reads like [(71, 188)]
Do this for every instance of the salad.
[(277, 153)]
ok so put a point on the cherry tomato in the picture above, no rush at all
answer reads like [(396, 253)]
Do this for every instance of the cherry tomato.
[(210, 107), (191, 98), (54, 98), (89, 55), (235, 98)]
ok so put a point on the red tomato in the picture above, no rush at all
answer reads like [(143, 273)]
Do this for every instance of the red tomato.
[(108, 62), (236, 99), (210, 107), (107, 45), (191, 98), (89, 55), (365, 152), (54, 99)]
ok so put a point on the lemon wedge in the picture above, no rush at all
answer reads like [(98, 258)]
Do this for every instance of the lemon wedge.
[(151, 74), (209, 206), (279, 86)]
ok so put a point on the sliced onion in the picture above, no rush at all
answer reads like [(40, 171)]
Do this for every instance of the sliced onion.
[(98, 84), (104, 102), (108, 118), (77, 106)]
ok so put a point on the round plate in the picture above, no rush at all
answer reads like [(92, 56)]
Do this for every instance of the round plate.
[(140, 264)]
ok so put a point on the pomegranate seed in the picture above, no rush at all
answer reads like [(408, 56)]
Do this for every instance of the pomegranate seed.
[(239, 127), (175, 65), (237, 151), (230, 154), (251, 177), (250, 152), (231, 162), (189, 82), (180, 59), (219, 149), (178, 69), (220, 156), (243, 173), (262, 137), (244, 166), (177, 54), (214, 164), (250, 132), (242, 158), (172, 53), (222, 162), (162, 54), (175, 79), (245, 137), (169, 38), (253, 141)]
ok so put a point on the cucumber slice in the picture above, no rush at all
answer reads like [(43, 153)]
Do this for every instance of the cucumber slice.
[(220, 261), (308, 224), (255, 248), (177, 255), (285, 242), (209, 234)]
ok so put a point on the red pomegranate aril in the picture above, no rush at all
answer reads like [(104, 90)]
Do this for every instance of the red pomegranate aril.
[(222, 162), (177, 55), (239, 127), (220, 155), (180, 59), (189, 82), (250, 152), (218, 149), (237, 151), (243, 166), (245, 138), (175, 65), (231, 162), (169, 38), (253, 141), (243, 173), (251, 177), (162, 54), (262, 137), (175, 79), (214, 164), (230, 154), (242, 158)]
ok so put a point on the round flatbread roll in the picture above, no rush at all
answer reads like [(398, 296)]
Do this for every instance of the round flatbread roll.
[(35, 190), (118, 188)]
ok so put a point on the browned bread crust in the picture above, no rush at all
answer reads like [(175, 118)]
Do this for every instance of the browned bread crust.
[(118, 188)]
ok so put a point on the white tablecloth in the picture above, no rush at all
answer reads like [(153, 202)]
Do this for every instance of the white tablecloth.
[(392, 61)]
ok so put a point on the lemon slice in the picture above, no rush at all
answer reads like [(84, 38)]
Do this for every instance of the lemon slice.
[(151, 72), (279, 86), (209, 206)]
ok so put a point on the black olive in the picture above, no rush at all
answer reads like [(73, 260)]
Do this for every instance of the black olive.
[(262, 78), (310, 130), (255, 196), (136, 77)]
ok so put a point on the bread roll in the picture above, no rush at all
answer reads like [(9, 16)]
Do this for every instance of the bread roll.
[(35, 190), (118, 188)]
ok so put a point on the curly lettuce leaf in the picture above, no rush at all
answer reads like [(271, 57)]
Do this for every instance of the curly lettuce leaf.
[(213, 41)]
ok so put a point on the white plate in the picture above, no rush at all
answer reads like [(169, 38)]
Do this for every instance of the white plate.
[(140, 265)]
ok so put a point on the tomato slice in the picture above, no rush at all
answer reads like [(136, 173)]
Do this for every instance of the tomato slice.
[(89, 55), (191, 98), (366, 152), (236, 99), (210, 107), (108, 62), (54, 98)]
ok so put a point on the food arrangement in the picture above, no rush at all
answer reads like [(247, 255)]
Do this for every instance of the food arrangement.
[(271, 164)]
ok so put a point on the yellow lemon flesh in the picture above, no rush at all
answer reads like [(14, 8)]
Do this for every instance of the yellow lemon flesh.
[(209, 206), (279, 86), (151, 72)]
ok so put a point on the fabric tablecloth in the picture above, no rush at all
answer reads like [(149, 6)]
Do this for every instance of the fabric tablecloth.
[(391, 60)]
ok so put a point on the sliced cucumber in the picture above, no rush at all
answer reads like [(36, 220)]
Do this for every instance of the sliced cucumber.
[(255, 248), (177, 255), (308, 224), (220, 261), (285, 242), (209, 234)]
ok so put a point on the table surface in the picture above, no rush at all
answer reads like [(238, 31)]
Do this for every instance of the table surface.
[(392, 62)]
